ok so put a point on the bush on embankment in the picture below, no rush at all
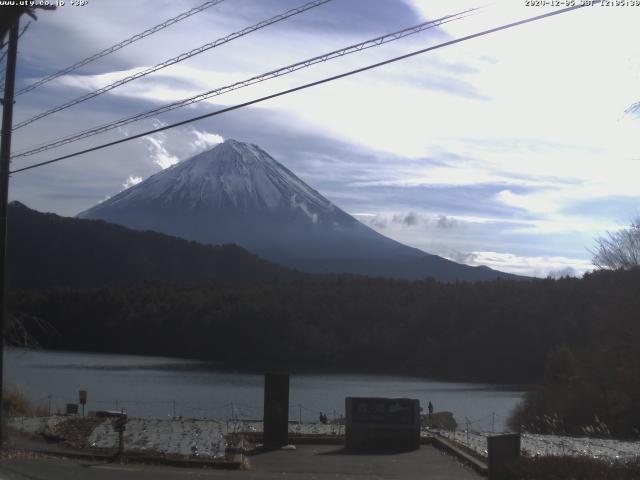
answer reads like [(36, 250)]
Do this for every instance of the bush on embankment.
[(586, 391), (16, 404), (570, 468)]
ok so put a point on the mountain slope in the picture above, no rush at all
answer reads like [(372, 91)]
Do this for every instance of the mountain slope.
[(47, 250), (237, 193)]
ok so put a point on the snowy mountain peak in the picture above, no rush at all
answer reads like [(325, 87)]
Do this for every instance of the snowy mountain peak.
[(231, 176), (232, 154)]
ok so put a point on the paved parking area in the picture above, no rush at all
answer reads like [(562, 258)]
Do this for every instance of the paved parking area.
[(325, 461), (309, 462)]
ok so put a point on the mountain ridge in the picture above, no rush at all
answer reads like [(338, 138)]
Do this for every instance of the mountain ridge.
[(47, 250)]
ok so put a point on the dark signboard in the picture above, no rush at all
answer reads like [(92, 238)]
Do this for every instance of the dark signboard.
[(382, 423), (383, 411), (82, 397), (72, 408)]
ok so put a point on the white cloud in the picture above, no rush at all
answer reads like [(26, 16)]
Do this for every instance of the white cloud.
[(204, 140), (157, 151), (167, 85), (534, 266), (187, 142), (131, 181), (156, 147)]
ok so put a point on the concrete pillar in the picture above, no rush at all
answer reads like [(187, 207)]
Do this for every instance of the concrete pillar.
[(276, 410)]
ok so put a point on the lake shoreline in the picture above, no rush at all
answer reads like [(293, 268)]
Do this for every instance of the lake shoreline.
[(252, 368), (161, 387)]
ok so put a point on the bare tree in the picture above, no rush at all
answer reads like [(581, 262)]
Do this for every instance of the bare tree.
[(619, 249)]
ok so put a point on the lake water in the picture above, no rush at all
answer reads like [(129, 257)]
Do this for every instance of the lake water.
[(156, 387)]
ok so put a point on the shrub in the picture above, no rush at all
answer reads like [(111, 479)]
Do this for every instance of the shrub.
[(570, 468), (15, 403)]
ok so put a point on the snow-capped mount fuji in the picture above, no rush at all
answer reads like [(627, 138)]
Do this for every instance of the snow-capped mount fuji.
[(233, 176), (237, 193)]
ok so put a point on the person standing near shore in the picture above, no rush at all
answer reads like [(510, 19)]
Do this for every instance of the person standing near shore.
[(430, 407)]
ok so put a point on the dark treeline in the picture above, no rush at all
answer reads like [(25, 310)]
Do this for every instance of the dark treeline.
[(577, 337)]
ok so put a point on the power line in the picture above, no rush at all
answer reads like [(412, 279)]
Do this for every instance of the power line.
[(24, 29), (374, 42), (118, 46), (174, 60), (308, 85)]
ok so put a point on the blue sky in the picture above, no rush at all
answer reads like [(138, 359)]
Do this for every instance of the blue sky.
[(512, 150)]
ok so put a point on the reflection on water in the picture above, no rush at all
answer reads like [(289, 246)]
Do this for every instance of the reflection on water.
[(156, 387), (151, 366)]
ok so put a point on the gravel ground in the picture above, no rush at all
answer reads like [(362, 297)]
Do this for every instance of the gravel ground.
[(554, 445), (190, 437), (206, 438)]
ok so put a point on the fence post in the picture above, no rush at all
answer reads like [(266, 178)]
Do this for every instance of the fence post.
[(467, 422)]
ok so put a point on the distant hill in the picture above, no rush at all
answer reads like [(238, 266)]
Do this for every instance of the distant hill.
[(237, 193), (46, 250)]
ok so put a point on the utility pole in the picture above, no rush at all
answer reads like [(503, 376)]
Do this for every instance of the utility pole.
[(5, 154)]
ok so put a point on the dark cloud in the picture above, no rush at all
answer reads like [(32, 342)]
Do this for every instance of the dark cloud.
[(378, 221), (446, 222), (352, 16), (564, 272), (410, 219)]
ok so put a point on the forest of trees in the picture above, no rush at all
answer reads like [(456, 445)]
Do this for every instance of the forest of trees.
[(578, 338), (45, 249)]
